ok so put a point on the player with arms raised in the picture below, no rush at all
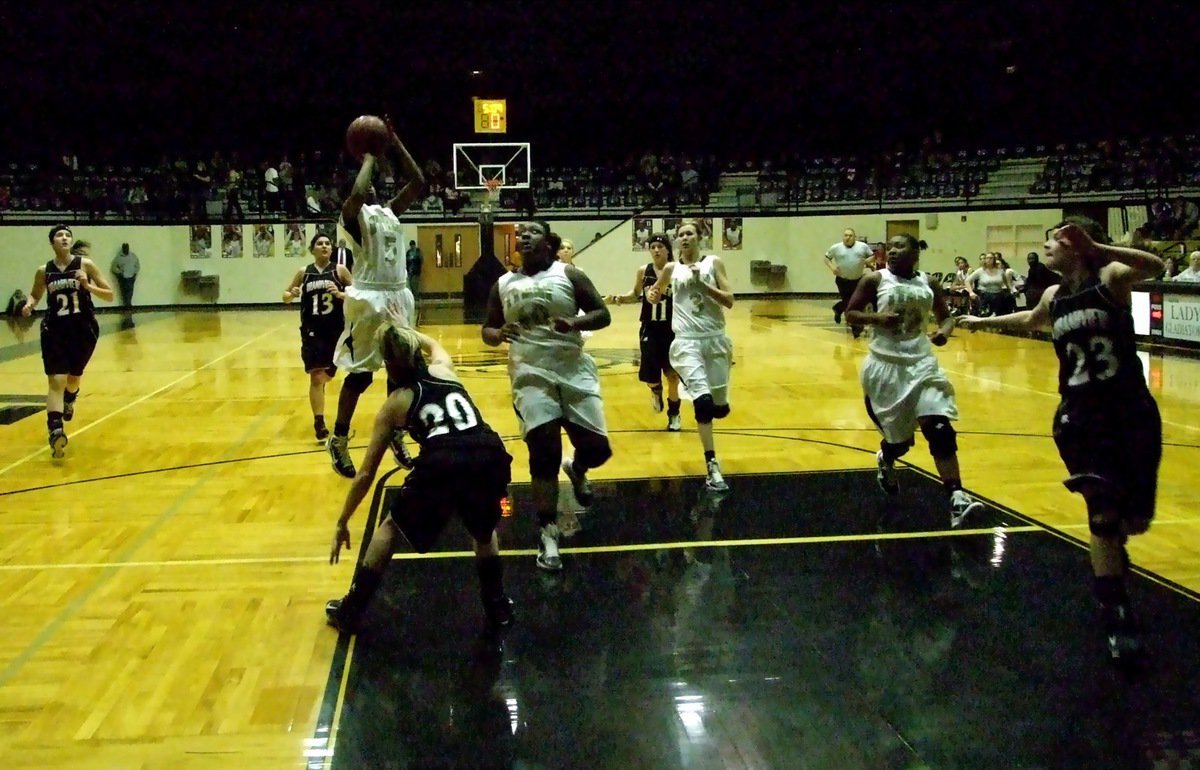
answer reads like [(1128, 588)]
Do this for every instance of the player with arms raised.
[(380, 281), (1107, 426)]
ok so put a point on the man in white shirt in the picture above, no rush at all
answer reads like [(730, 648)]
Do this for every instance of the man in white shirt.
[(847, 261), (1192, 274)]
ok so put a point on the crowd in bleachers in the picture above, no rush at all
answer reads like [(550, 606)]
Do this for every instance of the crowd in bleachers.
[(1145, 164), (309, 184)]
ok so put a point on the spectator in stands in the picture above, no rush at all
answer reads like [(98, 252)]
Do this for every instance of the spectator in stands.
[(960, 296), (1160, 223), (233, 194), (1185, 215), (993, 286), (1039, 279), (201, 191), (1192, 274), (270, 188), (1137, 238), (1170, 268)]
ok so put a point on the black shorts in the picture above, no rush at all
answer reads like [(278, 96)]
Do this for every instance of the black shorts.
[(67, 348), (1118, 443), (468, 482), (316, 350), (655, 341)]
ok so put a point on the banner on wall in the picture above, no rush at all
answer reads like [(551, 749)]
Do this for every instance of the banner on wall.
[(200, 241), (293, 242), (264, 241), (731, 234), (643, 228), (231, 241), (1181, 317)]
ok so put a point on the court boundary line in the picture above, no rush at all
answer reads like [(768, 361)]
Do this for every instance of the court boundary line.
[(143, 398), (1153, 577)]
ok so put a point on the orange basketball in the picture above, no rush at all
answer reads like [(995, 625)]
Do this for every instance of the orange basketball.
[(367, 133)]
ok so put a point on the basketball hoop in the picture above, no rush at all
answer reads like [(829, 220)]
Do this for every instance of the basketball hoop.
[(492, 195)]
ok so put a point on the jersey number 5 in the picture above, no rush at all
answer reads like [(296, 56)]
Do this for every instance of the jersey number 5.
[(1096, 362), (459, 411)]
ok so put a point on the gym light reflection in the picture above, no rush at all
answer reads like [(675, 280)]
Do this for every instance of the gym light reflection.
[(999, 546)]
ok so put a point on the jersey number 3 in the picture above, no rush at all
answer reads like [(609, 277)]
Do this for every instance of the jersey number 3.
[(1095, 363), (457, 408)]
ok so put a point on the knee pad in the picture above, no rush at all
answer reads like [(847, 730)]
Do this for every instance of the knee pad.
[(720, 411), (357, 382), (940, 435), (592, 452), (1106, 524), (706, 410), (545, 451), (894, 451)]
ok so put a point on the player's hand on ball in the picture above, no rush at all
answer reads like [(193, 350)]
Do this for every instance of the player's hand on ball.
[(341, 537)]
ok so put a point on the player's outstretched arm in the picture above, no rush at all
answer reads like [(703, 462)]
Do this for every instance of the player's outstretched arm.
[(1024, 320)]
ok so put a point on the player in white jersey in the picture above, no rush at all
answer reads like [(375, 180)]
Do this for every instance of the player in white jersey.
[(701, 353), (904, 385), (380, 282), (555, 384)]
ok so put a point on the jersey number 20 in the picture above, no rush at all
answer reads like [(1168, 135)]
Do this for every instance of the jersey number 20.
[(457, 408)]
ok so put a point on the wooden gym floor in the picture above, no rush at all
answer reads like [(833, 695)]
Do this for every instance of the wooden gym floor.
[(163, 585)]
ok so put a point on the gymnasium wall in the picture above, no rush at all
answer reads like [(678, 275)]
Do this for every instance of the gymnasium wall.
[(795, 242)]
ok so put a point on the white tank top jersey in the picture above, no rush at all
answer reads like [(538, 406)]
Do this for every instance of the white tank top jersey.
[(532, 301), (912, 299), (695, 312), (379, 259)]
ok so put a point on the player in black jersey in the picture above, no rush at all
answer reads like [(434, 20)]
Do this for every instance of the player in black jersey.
[(319, 287), (1107, 426), (655, 334), (69, 328), (462, 469)]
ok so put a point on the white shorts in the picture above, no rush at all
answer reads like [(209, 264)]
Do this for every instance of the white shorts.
[(366, 310), (900, 393), (542, 395), (703, 366)]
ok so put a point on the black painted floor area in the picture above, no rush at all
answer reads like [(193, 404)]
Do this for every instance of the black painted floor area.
[(971, 651)]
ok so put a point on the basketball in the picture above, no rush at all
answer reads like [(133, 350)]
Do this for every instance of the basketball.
[(367, 133)]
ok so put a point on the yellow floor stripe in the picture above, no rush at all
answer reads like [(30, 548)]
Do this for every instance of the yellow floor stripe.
[(875, 536)]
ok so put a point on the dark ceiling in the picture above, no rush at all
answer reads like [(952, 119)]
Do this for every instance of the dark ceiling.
[(593, 80)]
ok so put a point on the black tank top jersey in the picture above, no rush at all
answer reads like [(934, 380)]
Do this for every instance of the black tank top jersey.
[(1093, 337), (67, 301), (320, 311), (660, 313), (442, 415)]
